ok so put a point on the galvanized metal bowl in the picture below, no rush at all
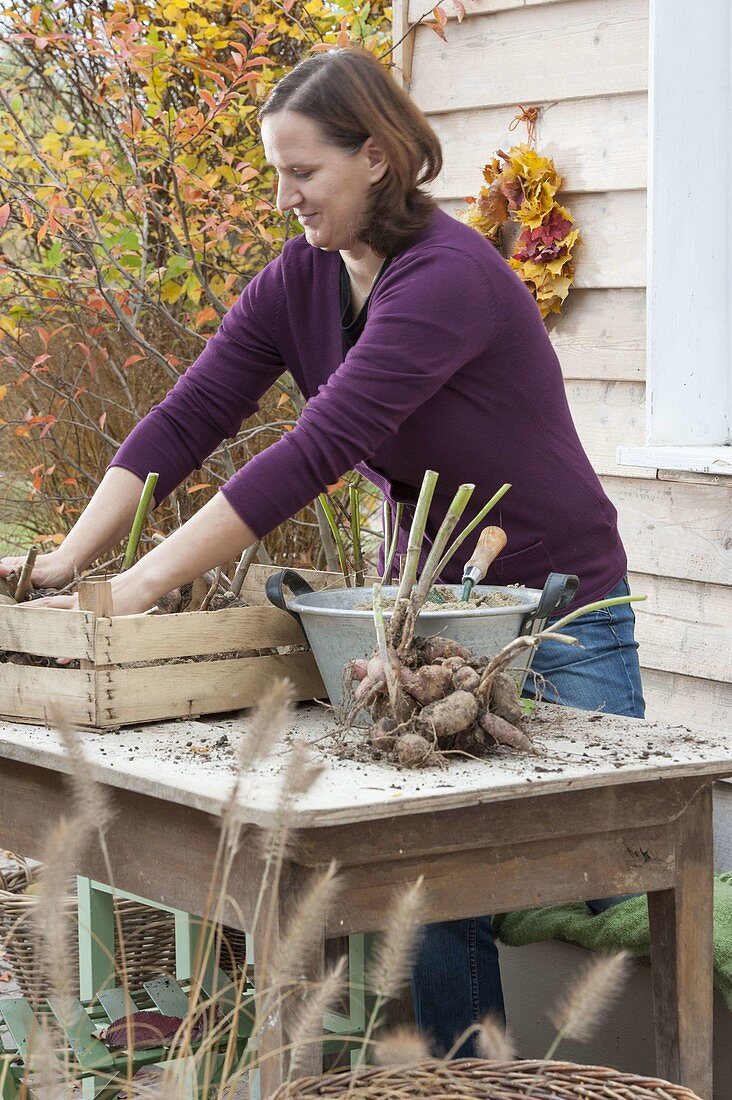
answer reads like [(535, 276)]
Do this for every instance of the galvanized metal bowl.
[(338, 630)]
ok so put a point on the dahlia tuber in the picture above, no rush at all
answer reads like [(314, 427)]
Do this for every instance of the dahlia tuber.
[(450, 715)]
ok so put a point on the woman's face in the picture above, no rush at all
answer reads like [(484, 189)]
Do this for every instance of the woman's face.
[(326, 187)]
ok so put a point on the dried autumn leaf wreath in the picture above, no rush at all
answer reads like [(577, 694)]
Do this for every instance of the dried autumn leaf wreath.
[(521, 188)]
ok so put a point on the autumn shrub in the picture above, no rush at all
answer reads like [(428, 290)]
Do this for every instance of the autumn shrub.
[(134, 207)]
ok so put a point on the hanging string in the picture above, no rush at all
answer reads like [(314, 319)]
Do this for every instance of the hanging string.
[(529, 115)]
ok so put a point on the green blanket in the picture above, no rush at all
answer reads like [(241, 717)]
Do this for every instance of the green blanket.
[(623, 926)]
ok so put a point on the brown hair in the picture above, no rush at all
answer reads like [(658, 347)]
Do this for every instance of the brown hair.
[(351, 96)]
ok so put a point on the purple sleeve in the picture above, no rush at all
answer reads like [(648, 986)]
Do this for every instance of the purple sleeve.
[(218, 391), (430, 316)]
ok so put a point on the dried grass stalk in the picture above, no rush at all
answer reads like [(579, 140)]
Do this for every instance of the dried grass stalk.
[(397, 946), (394, 956), (493, 1040), (304, 931), (91, 805), (403, 1046), (265, 726), (50, 1079), (308, 1024), (581, 1010)]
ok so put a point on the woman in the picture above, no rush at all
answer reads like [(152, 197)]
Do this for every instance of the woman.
[(417, 347)]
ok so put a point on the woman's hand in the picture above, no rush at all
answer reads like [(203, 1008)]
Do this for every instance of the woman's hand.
[(53, 570), (130, 595), (213, 535)]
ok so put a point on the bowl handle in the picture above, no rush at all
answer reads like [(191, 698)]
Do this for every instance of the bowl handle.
[(559, 590), (297, 585)]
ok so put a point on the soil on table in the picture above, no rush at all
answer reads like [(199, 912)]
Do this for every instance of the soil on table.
[(554, 731)]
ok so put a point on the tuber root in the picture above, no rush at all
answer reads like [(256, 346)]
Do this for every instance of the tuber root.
[(472, 740), (7, 592), (412, 750), (382, 735), (357, 669), (428, 684), (170, 603), (453, 663), (465, 678), (381, 706), (504, 733), (450, 715), (504, 697), (368, 687), (432, 648)]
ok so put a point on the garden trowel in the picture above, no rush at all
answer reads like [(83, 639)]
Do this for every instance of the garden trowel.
[(492, 540)]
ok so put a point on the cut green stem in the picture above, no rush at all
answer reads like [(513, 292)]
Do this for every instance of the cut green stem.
[(329, 546), (597, 606), (416, 534), (471, 527), (549, 633), (378, 607), (431, 566), (391, 538), (386, 524), (354, 499), (138, 522), (245, 562), (329, 514)]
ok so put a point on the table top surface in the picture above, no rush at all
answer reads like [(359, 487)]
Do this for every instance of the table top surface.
[(193, 762)]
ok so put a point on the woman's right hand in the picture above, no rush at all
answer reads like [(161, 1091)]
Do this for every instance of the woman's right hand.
[(52, 570)]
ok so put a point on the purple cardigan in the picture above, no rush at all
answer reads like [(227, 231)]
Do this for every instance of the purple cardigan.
[(453, 372)]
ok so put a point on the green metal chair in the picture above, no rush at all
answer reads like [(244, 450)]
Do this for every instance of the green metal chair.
[(105, 1072), (97, 952)]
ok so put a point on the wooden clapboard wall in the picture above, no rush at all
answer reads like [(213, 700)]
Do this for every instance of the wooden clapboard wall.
[(585, 62)]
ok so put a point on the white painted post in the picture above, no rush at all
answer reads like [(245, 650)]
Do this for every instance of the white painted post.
[(690, 228)]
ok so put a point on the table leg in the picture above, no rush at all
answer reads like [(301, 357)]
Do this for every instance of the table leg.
[(681, 922)]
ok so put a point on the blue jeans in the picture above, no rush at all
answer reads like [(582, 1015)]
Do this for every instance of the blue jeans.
[(456, 979)]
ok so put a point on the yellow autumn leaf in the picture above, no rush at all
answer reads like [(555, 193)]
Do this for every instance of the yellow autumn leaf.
[(563, 212), (534, 168), (535, 207), (3, 392), (171, 292), (556, 267)]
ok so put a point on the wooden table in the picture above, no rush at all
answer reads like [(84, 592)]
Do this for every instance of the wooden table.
[(612, 805)]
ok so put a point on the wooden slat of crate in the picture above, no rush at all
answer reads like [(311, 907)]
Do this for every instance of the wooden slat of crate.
[(253, 587), (130, 695), (29, 693), (47, 632), (127, 638)]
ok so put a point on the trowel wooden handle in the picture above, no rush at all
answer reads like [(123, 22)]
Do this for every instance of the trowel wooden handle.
[(492, 540)]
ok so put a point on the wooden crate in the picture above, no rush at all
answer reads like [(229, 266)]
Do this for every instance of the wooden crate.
[(132, 669)]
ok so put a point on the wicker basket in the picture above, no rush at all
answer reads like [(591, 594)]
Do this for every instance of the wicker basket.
[(475, 1079), (148, 935)]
